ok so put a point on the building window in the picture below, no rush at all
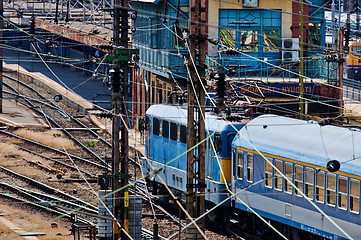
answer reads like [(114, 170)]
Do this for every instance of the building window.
[(309, 182), (289, 176), (183, 134), (355, 196), (165, 129), (342, 193), (156, 126), (298, 180), (227, 38), (278, 176), (249, 167), (331, 189), (271, 40), (320, 186), (178, 42), (249, 40), (240, 164), (173, 131), (268, 173)]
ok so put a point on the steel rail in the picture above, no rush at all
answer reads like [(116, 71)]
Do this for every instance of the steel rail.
[(57, 212), (53, 104), (58, 162), (45, 187), (54, 150), (45, 199)]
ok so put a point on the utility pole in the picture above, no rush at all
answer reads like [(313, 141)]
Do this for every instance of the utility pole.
[(301, 67), (1, 53), (56, 11), (357, 15), (340, 71), (119, 75), (195, 194)]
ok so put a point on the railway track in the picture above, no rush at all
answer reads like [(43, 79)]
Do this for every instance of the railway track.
[(89, 162), (49, 110)]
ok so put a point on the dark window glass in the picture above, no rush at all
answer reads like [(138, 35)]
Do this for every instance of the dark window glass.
[(249, 167), (289, 174), (268, 173), (217, 143), (240, 165), (230, 139), (355, 196), (320, 186), (331, 189), (165, 129), (173, 131), (183, 134), (156, 126), (342, 193), (278, 175)]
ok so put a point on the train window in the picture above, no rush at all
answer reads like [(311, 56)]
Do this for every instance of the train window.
[(309, 182), (289, 176), (165, 129), (217, 142), (342, 193), (355, 196), (240, 164), (331, 189), (230, 139), (298, 180), (268, 173), (249, 167), (156, 126), (278, 176), (320, 186), (173, 131), (183, 134)]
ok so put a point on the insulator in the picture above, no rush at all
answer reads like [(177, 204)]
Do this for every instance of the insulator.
[(116, 77), (333, 166), (326, 121), (134, 16), (32, 25)]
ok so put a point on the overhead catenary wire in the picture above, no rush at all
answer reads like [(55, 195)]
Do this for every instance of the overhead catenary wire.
[(283, 176)]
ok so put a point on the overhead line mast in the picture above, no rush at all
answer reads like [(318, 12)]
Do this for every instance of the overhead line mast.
[(196, 111), (119, 77)]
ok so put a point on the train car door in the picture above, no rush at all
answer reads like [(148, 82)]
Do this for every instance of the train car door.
[(239, 171), (148, 128), (234, 165)]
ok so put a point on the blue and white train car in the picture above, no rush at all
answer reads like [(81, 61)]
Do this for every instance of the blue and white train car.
[(300, 150), (166, 147)]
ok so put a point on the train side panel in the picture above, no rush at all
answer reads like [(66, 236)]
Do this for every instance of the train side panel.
[(272, 146), (166, 150)]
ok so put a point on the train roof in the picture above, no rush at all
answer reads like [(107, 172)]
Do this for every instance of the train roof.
[(178, 114), (304, 141)]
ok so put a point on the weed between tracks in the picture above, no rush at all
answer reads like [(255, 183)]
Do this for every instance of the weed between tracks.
[(47, 138)]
